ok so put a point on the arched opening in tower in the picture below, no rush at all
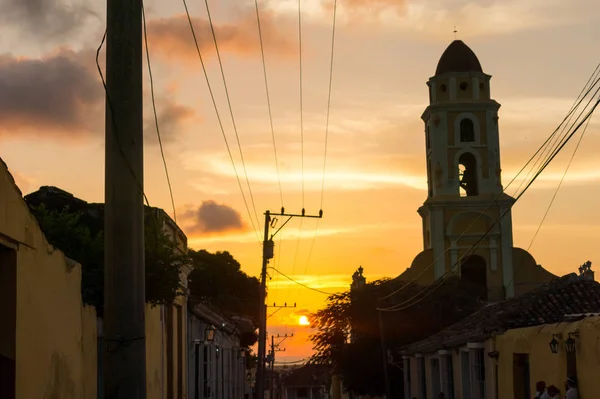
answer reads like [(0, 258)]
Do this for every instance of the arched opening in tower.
[(473, 271), (467, 171), (467, 131)]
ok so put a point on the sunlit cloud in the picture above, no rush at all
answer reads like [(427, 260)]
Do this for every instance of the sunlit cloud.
[(435, 18), (171, 37)]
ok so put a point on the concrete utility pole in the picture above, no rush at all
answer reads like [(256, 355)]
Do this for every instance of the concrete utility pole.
[(275, 348), (124, 278), (268, 247)]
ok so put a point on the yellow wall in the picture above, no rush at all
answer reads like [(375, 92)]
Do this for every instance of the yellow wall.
[(547, 366), (55, 332), (155, 354)]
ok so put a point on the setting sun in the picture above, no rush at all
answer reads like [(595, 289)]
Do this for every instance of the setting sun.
[(303, 321)]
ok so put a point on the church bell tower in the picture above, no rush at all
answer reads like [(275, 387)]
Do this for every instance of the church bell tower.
[(465, 196)]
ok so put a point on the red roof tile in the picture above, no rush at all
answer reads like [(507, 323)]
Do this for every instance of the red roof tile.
[(548, 304)]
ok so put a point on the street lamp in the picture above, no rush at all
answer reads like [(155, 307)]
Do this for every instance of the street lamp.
[(570, 343), (554, 343), (209, 333)]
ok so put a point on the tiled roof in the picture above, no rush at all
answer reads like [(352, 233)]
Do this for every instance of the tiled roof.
[(550, 303)]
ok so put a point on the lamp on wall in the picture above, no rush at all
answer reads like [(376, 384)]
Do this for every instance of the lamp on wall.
[(209, 333), (554, 343), (570, 343)]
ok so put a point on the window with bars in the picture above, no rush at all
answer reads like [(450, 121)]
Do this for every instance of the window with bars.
[(422, 378), (447, 376), (479, 372), (407, 379)]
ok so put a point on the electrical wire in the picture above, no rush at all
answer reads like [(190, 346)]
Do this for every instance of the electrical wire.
[(262, 52), (212, 29), (312, 244), (329, 99), (301, 284), (494, 201), (162, 152), (219, 119), (575, 105), (301, 95), (552, 199)]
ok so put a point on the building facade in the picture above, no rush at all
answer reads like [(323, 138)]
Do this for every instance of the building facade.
[(217, 361), (467, 223), (47, 334), (502, 350)]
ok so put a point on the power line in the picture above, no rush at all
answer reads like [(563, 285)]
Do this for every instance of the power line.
[(212, 29), (575, 105), (301, 284), (162, 152), (312, 244), (301, 97), (219, 118), (262, 52), (329, 99)]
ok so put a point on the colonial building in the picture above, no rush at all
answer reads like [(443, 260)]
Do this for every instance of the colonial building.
[(502, 350), (47, 333), (466, 206)]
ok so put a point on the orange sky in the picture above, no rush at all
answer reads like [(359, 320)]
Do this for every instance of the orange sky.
[(540, 53)]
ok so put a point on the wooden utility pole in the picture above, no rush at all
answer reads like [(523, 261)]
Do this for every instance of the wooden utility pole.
[(268, 249), (124, 278)]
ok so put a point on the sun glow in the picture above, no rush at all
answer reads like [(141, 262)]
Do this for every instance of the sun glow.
[(303, 321)]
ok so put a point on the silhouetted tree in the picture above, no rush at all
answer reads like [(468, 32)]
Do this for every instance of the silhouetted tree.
[(217, 280)]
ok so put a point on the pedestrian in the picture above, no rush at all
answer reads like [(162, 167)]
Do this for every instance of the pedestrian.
[(541, 392), (571, 388), (553, 392)]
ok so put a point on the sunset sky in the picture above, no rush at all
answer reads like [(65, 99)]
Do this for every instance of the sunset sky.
[(539, 52)]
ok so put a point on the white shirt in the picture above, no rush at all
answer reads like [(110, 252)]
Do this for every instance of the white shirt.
[(572, 394)]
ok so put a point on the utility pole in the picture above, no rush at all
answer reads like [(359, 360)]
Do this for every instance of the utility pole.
[(124, 279), (275, 348), (268, 250)]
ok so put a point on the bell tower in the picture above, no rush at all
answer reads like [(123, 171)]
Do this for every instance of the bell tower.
[(465, 195)]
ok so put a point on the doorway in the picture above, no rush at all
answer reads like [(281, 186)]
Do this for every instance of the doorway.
[(473, 271), (8, 327), (521, 379)]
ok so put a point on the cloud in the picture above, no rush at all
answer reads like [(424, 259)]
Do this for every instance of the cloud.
[(436, 18), (172, 117), (171, 37), (53, 95), (212, 218), (60, 95), (45, 19)]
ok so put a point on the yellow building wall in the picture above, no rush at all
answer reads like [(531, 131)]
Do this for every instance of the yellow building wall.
[(155, 354), (549, 367), (55, 332)]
